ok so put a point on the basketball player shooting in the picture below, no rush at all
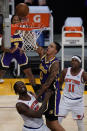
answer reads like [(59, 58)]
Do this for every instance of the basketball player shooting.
[(72, 99), (16, 52)]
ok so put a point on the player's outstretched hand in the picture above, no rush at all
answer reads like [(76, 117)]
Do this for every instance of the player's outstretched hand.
[(36, 87)]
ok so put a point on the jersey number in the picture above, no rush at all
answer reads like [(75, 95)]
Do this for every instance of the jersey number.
[(71, 88)]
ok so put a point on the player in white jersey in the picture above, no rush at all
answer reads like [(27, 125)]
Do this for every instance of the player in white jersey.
[(28, 107), (72, 99)]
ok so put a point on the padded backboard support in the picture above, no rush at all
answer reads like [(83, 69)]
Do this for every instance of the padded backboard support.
[(4, 11)]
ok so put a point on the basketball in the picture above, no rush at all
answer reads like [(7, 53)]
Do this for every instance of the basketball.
[(22, 10)]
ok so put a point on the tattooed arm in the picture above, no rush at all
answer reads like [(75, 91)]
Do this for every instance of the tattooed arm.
[(52, 74)]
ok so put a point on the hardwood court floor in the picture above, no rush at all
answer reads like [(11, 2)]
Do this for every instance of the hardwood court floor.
[(10, 120)]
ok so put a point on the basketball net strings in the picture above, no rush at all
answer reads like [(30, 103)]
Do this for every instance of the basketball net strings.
[(30, 39), (29, 35)]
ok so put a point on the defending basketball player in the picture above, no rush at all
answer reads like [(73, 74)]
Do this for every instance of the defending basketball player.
[(16, 52), (72, 99), (28, 107), (49, 69)]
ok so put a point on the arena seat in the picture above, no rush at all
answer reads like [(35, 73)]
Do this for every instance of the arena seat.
[(72, 36), (73, 24), (73, 31)]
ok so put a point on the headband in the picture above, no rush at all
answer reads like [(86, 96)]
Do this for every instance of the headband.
[(77, 58)]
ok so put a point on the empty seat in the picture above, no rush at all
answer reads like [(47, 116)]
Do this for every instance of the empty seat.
[(73, 24)]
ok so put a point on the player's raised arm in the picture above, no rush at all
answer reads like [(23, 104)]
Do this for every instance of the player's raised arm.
[(40, 50)]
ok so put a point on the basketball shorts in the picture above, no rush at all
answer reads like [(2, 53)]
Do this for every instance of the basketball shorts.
[(52, 110), (22, 59), (76, 107), (42, 128)]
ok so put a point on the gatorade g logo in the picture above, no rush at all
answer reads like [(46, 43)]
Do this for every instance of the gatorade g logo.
[(37, 18)]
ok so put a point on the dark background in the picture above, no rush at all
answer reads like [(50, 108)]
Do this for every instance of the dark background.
[(63, 9)]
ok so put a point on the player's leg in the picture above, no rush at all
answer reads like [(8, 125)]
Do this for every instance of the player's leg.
[(54, 125), (63, 109), (4, 64), (25, 66), (51, 113), (2, 72), (80, 125), (63, 112), (78, 114)]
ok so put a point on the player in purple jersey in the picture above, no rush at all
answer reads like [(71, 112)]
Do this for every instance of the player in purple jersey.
[(49, 71), (16, 52)]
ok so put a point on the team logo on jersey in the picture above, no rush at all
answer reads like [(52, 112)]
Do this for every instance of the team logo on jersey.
[(78, 76), (35, 105), (67, 75), (72, 80), (78, 116)]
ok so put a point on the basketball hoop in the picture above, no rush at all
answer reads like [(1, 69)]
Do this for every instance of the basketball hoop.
[(28, 34)]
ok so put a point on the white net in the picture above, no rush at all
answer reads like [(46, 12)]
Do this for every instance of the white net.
[(29, 36), (29, 40)]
